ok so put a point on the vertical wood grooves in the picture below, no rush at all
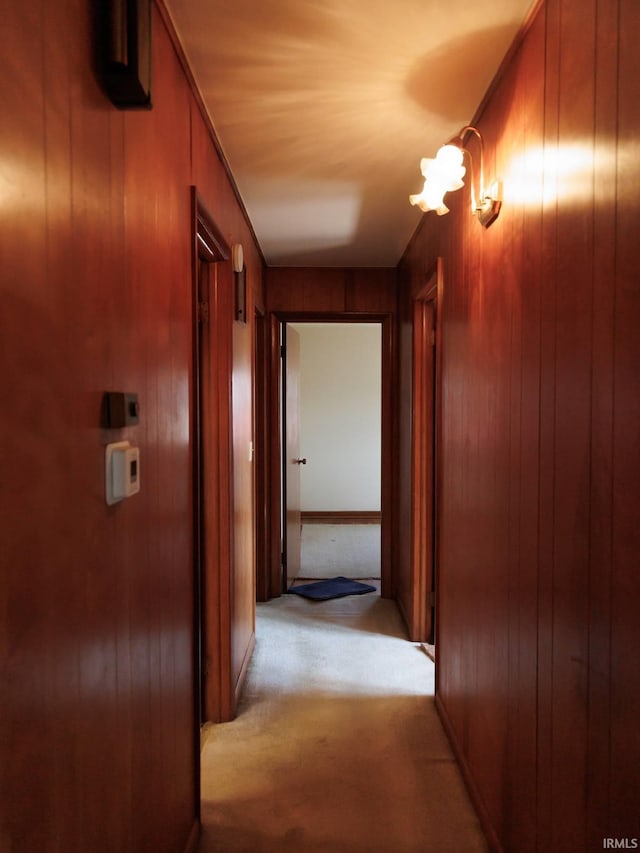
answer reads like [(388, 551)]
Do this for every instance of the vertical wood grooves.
[(538, 549), (97, 602)]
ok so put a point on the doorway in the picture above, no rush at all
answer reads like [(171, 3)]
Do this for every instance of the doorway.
[(211, 466), (427, 309), (332, 450), (277, 518)]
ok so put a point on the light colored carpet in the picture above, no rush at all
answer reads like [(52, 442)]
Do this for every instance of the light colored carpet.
[(337, 746), (347, 550)]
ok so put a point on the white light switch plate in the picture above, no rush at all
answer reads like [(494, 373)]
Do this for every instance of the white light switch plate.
[(121, 471)]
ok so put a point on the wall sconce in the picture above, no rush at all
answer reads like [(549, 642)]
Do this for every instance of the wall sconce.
[(445, 172)]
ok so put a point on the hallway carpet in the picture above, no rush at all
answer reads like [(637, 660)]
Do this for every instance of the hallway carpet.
[(350, 550), (337, 746)]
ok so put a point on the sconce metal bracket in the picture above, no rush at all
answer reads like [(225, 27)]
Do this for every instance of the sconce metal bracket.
[(488, 211)]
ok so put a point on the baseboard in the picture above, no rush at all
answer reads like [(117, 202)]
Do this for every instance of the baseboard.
[(472, 788), (194, 838), (341, 517)]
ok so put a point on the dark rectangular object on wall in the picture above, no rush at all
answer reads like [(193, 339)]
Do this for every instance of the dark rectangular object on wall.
[(241, 295), (120, 410), (125, 52)]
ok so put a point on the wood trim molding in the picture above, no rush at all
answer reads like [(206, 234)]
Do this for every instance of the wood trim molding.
[(273, 567), (425, 433), (193, 839), (473, 790), (243, 670), (422, 436), (261, 453), (212, 417), (211, 244), (439, 420), (341, 517)]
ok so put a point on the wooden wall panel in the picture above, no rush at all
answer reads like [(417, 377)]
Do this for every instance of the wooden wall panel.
[(571, 381), (302, 289), (305, 289), (540, 362), (624, 817), (549, 146), (371, 290), (23, 276), (97, 746), (604, 260), (520, 803)]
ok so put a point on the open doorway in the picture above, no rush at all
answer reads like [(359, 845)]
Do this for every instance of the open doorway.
[(332, 451), (278, 518), (209, 253)]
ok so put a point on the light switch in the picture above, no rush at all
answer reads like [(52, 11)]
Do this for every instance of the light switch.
[(122, 471)]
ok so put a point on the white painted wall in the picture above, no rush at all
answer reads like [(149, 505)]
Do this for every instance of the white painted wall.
[(340, 417)]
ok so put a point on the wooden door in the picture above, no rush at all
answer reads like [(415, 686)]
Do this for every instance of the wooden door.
[(424, 451), (212, 468), (424, 419), (201, 343), (291, 455), (261, 453)]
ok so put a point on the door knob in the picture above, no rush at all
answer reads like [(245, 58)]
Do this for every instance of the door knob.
[(301, 461)]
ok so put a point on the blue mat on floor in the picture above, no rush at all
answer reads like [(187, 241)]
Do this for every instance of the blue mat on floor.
[(332, 588)]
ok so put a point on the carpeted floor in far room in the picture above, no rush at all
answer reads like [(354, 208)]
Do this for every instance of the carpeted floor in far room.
[(346, 550), (337, 747)]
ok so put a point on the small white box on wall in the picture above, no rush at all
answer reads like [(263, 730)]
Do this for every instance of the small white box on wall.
[(122, 471)]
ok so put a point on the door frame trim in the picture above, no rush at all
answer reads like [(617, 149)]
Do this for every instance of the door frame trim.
[(212, 466), (425, 457), (274, 511), (261, 450)]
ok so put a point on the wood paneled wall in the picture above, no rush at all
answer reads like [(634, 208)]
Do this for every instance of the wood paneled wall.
[(539, 587), (331, 290), (97, 748)]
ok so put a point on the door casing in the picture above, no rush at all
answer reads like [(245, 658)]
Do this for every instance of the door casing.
[(425, 440), (273, 570), (290, 424), (211, 442)]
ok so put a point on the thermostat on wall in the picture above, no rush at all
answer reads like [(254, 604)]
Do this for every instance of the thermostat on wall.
[(122, 471)]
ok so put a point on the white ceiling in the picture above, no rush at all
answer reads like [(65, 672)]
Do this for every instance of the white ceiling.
[(323, 109)]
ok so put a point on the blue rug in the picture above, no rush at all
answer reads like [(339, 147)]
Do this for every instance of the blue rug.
[(332, 588)]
